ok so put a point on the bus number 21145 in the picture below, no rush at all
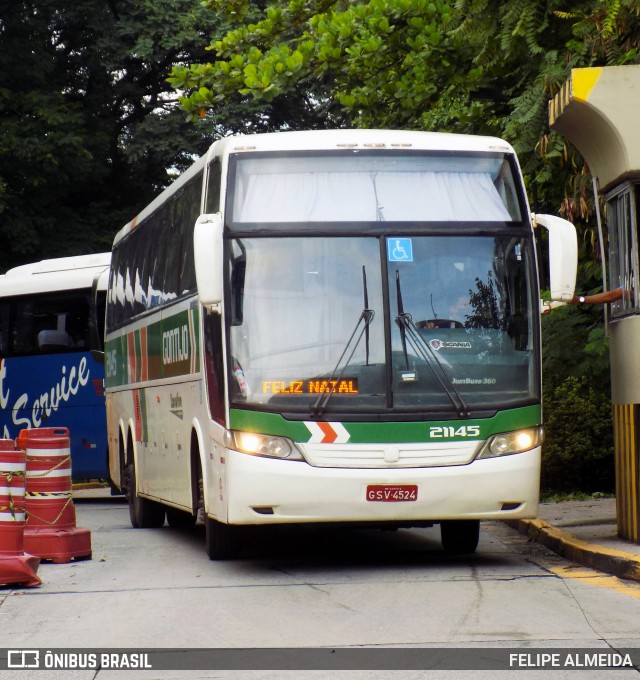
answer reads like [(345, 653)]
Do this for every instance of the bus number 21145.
[(448, 432)]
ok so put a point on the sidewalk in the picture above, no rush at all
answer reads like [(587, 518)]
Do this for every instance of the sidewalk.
[(584, 532)]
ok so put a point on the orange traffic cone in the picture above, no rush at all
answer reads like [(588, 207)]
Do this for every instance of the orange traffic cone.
[(51, 531), (15, 565)]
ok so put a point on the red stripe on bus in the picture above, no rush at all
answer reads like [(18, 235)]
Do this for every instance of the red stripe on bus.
[(144, 354)]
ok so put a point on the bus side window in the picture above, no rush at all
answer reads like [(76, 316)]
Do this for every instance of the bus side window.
[(5, 319), (214, 367), (214, 181), (24, 330), (171, 236), (238, 270), (188, 211), (78, 310)]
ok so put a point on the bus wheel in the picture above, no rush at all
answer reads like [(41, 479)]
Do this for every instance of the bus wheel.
[(179, 519), (460, 537), (143, 513), (221, 540)]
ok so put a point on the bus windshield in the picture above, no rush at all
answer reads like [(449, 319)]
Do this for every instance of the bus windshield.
[(381, 186), (406, 324)]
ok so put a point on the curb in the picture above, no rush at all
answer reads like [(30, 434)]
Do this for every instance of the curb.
[(79, 486), (615, 562)]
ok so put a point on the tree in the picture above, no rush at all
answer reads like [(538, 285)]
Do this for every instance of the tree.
[(578, 450), (476, 66), (89, 129), (486, 311), (365, 63)]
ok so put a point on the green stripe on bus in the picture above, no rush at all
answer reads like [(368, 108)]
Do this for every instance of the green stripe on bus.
[(392, 432), (143, 415), (172, 350)]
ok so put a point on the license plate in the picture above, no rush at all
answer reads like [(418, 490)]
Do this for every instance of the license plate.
[(392, 493)]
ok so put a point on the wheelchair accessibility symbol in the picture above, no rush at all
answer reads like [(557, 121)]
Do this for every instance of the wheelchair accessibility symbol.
[(400, 250)]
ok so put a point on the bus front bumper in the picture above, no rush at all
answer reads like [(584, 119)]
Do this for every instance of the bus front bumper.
[(269, 491)]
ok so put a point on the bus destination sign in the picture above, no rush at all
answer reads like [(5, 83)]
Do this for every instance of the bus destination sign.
[(311, 386)]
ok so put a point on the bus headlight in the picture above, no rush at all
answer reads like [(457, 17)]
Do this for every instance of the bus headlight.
[(263, 445), (508, 443)]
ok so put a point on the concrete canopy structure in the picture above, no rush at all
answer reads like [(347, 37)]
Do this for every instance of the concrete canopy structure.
[(598, 111)]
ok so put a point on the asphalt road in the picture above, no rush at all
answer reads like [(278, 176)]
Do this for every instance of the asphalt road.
[(301, 588)]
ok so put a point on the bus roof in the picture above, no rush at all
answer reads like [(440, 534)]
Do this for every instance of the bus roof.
[(62, 273), (317, 140)]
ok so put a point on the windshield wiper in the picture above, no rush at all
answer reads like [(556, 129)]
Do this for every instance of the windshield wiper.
[(366, 310), (379, 206), (362, 325), (401, 315), (409, 332)]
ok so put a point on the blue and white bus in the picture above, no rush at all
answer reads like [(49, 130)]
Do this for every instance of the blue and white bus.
[(48, 377)]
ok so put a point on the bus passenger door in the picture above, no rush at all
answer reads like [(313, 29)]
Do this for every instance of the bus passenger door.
[(213, 455)]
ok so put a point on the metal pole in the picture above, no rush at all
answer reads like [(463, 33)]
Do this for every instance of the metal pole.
[(602, 253)]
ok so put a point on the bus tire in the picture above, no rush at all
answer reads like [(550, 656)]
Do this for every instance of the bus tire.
[(221, 540), (180, 519), (143, 513), (460, 537)]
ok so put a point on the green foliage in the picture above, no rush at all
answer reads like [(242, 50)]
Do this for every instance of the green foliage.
[(610, 32), (471, 66), (374, 63), (89, 125), (574, 345), (578, 451), (88, 130), (559, 497)]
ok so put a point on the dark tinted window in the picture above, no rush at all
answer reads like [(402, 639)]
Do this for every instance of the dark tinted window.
[(45, 324), (154, 265)]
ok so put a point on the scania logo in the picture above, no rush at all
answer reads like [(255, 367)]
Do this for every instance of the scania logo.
[(437, 344)]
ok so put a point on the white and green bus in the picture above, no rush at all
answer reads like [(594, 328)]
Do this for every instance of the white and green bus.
[(332, 327)]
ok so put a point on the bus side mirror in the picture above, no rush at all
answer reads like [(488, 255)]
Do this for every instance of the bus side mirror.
[(208, 248), (563, 256)]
